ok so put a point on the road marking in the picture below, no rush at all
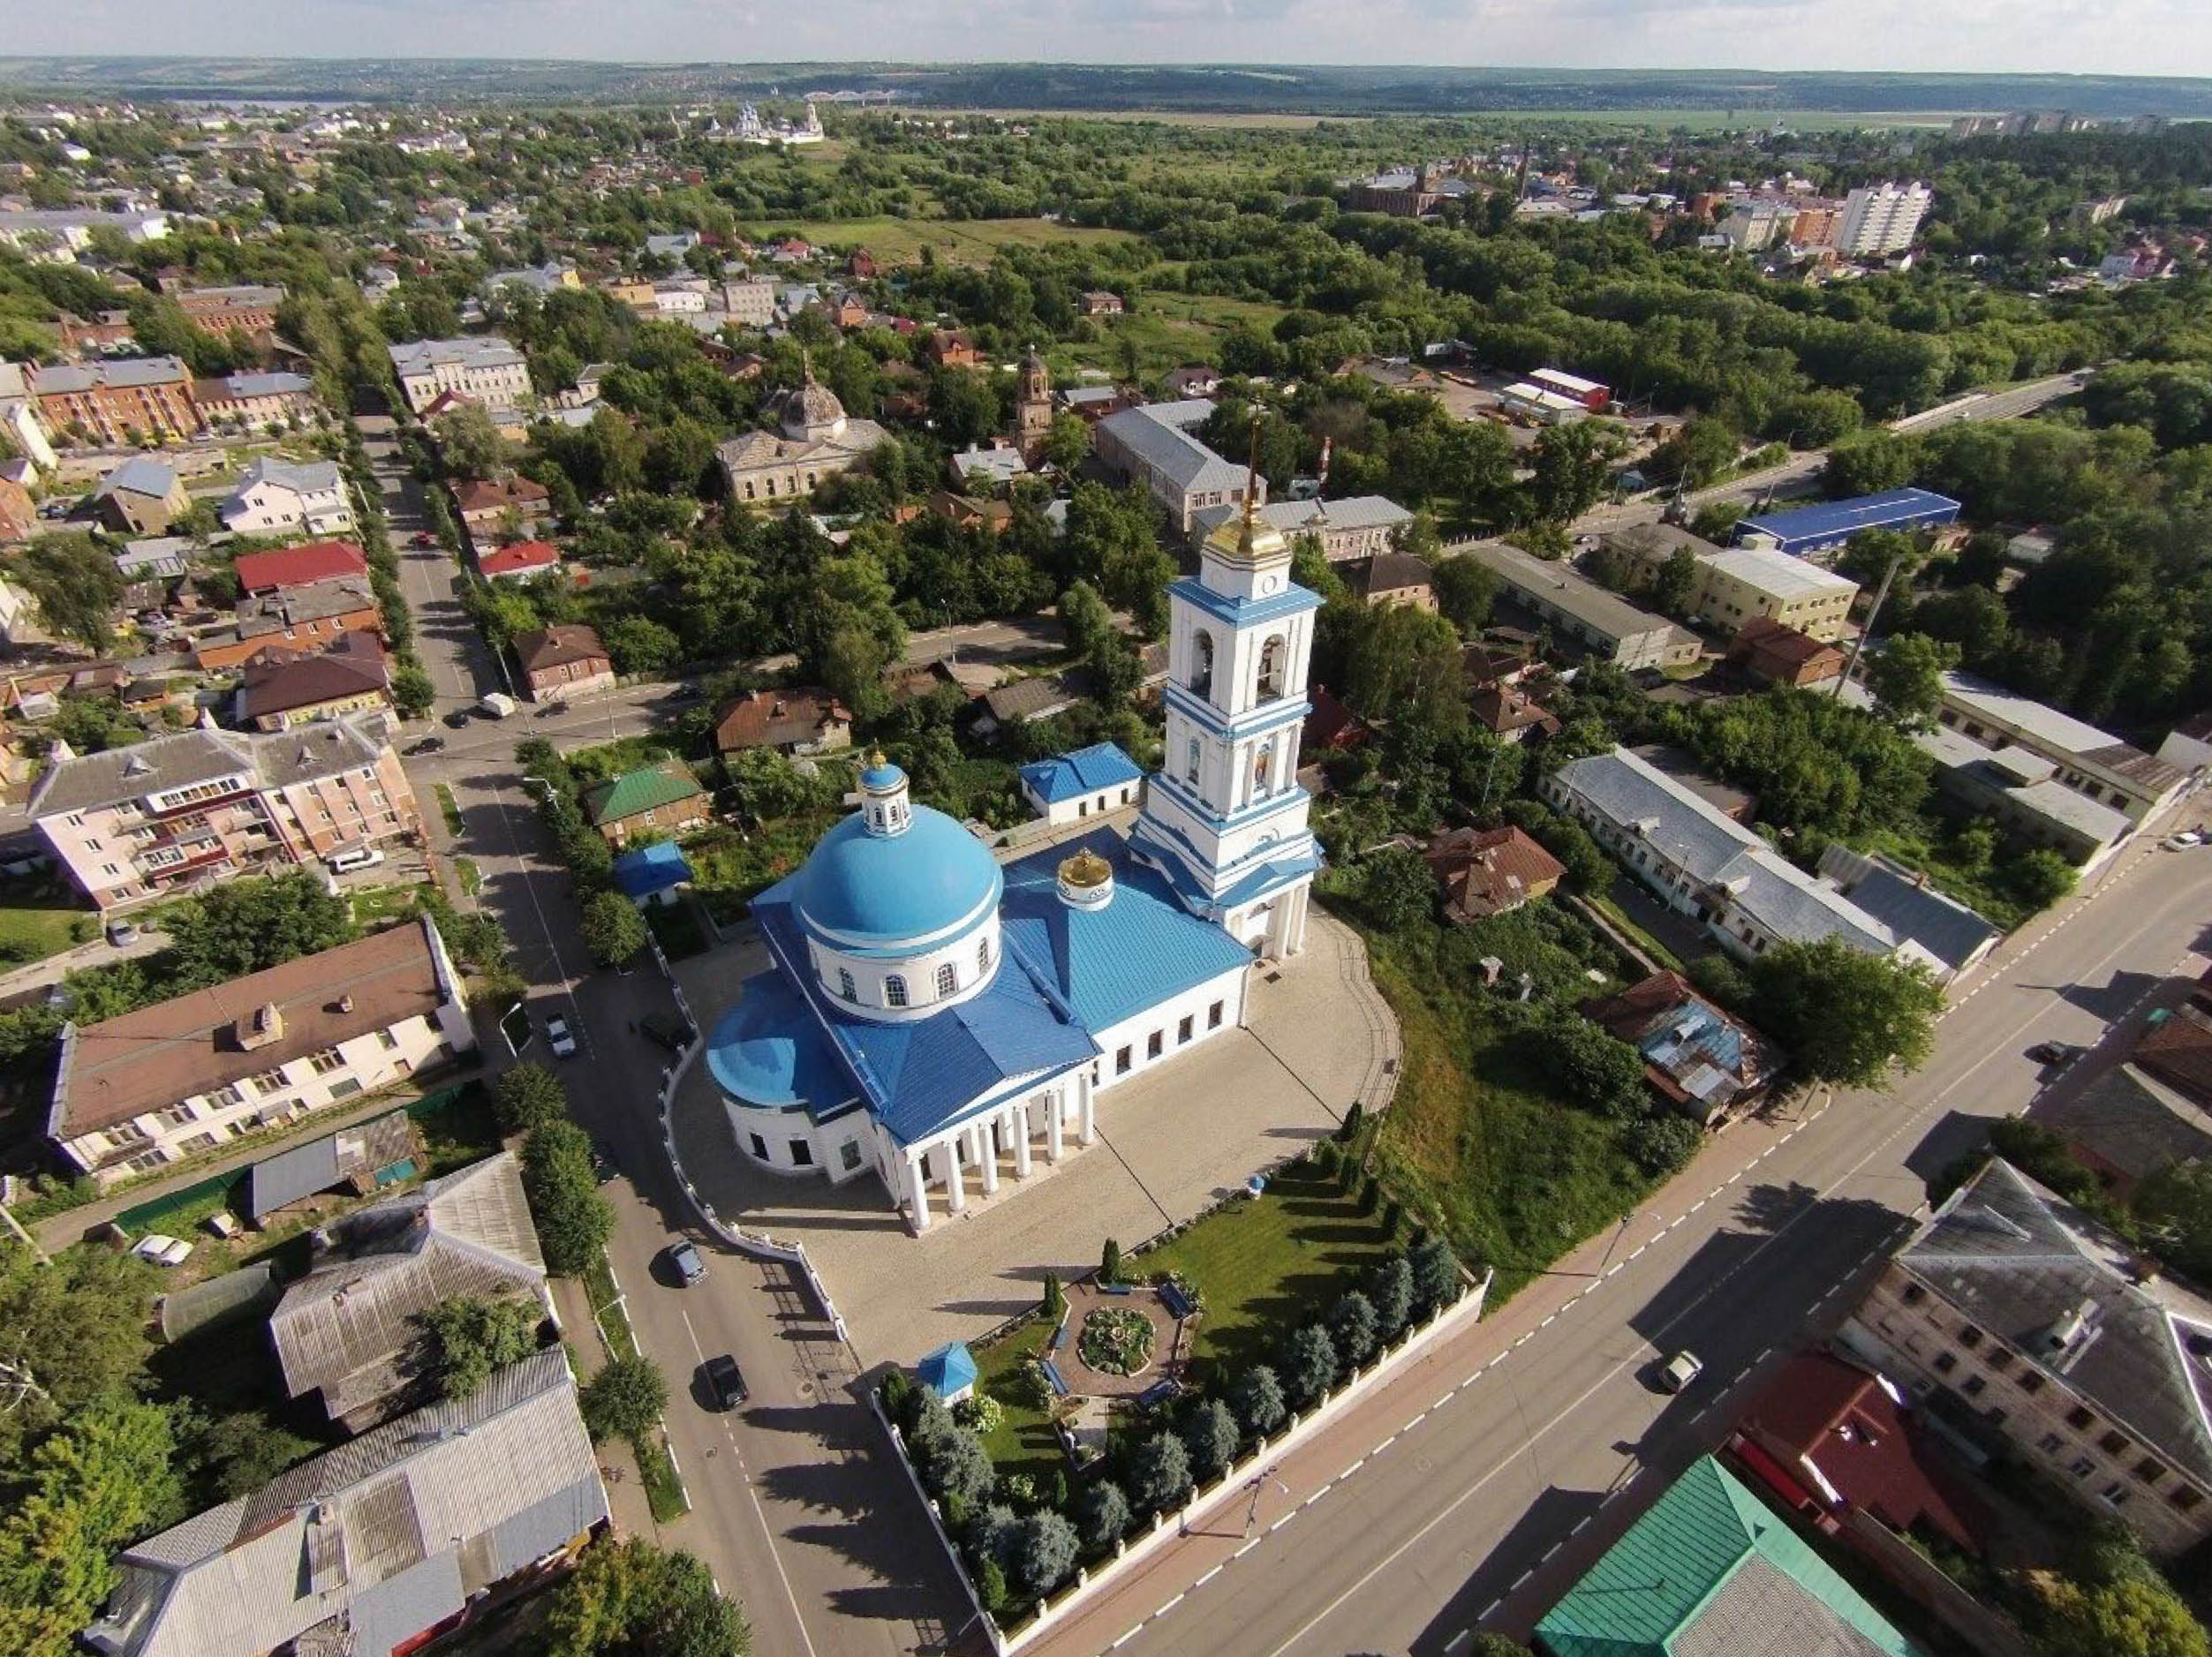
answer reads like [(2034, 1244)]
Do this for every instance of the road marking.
[(1202, 1581), (1246, 1548), (1279, 1523), (1126, 1637), (1170, 1605)]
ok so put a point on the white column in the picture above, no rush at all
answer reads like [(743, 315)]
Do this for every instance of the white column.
[(1018, 1124), (1090, 1117), (1052, 1109), (986, 1158), (918, 1194), (956, 1184)]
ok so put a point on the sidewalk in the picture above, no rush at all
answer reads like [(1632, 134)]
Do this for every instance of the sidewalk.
[(618, 1467), (99, 952)]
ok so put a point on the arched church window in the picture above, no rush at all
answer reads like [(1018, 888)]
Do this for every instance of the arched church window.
[(1273, 656), (1202, 662), (895, 991), (1190, 765), (982, 956), (947, 980), (845, 986)]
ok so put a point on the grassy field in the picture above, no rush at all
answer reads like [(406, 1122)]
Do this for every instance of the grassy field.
[(1267, 1264), (1168, 329), (1023, 1441), (892, 241), (39, 918)]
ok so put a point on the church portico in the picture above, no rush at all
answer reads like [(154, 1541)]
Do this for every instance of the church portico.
[(1015, 1141)]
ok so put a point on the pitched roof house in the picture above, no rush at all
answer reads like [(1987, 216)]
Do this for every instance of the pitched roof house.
[(666, 797), (804, 719), (300, 566), (1488, 871), (562, 661), (283, 688), (1707, 1063)]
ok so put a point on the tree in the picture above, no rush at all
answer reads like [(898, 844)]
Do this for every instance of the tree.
[(74, 586), (1102, 1515), (1159, 1474), (1907, 678), (1352, 1325), (629, 1599), (70, 1332), (101, 1481), (471, 1336), (2038, 877), (469, 443), (1662, 1145), (1883, 461), (1308, 1366), (1676, 582), (248, 926), (232, 1453), (1390, 1288), (1110, 1261), (1572, 464), (611, 928), (959, 1470), (1258, 1398), (1210, 1436), (1045, 1549), (1066, 441), (1598, 1070), (1496, 1646), (412, 693), (2137, 1615), (574, 1220), (1466, 590), (626, 1398), (639, 644), (1396, 890), (1844, 1016), (1055, 1299), (2175, 1207), (528, 1097), (1436, 1274)]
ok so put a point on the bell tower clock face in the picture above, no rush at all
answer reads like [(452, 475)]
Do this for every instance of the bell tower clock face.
[(1268, 584)]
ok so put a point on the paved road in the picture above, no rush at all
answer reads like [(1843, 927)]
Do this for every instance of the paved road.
[(1471, 1491), (796, 1509)]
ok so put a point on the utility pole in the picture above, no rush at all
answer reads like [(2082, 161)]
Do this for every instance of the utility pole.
[(1859, 646)]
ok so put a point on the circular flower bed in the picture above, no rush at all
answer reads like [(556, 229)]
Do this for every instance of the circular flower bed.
[(1115, 1340)]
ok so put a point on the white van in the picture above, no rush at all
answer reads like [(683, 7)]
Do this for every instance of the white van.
[(359, 857)]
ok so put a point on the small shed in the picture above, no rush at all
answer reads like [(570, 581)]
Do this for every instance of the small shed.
[(949, 1372), (652, 874)]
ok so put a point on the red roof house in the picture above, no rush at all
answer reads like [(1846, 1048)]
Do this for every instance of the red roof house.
[(521, 561), (301, 566)]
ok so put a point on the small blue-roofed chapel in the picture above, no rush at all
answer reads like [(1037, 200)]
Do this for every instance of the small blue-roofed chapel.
[(940, 1020)]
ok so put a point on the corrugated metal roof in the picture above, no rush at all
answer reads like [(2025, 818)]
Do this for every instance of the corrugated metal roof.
[(1086, 771), (1834, 520)]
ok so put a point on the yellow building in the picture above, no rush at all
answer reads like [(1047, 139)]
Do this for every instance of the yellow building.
[(1736, 585)]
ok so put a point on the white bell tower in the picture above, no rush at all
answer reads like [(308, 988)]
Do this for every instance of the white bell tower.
[(1224, 820)]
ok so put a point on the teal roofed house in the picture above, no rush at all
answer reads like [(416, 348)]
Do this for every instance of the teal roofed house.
[(1712, 1572), (665, 798)]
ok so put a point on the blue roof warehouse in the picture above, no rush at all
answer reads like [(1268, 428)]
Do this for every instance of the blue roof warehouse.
[(1823, 528)]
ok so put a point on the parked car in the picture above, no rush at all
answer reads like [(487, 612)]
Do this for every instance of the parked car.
[(1681, 1369), (2182, 841), (725, 1381), (122, 934), (424, 537), (355, 859), (664, 1030), (458, 718), (2055, 1052), (162, 1249), (561, 1038), (684, 1261), (425, 745)]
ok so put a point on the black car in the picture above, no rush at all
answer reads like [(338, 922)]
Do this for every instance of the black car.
[(666, 1030), (725, 1381), (2054, 1052), (457, 719), (424, 745)]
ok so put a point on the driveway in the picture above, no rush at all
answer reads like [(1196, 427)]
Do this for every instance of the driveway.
[(1171, 1142)]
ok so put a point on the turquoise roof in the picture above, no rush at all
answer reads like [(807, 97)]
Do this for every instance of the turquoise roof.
[(947, 1369), (768, 1052), (862, 891), (883, 778), (650, 869), (1708, 1547), (1086, 771)]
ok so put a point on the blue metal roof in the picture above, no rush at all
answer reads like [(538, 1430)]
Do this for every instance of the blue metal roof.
[(1838, 520), (651, 869), (1294, 860), (1241, 613), (1110, 963), (1086, 771), (768, 1051), (947, 1369), (878, 890)]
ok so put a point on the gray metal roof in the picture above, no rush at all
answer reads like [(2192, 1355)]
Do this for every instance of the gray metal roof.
[(122, 372), (88, 782), (142, 475), (2024, 1264), (304, 1169), (2133, 1121), (1157, 434), (422, 357), (1566, 589), (1943, 926), (2060, 731), (314, 477), (2026, 781), (1293, 517)]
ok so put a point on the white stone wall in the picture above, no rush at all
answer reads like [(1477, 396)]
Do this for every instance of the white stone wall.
[(919, 971), (1134, 1033), (1085, 806)]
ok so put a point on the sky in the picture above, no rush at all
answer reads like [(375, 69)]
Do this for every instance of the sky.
[(2148, 37)]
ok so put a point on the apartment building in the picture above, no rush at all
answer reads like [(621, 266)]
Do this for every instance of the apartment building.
[(749, 304), (1737, 585), (2092, 763), (1357, 526), (486, 369), (254, 400), (115, 403), (249, 309), (278, 495), (135, 824), (1603, 624), (1153, 445), (183, 1076), (1881, 219), (2031, 1329)]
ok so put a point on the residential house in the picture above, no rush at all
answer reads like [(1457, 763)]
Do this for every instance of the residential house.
[(2092, 763), (297, 618), (249, 309), (1737, 584), (906, 681), (1578, 610), (357, 1160), (142, 496), (1153, 445), (752, 303), (348, 1331), (1330, 726), (1194, 380), (374, 1548), (652, 875), (1951, 938), (553, 276), (1102, 303), (18, 513), (2033, 1331), (107, 331), (1088, 782), (1353, 527), (256, 400), (802, 721), (967, 512), (2178, 1049), (1774, 653), (1026, 701), (950, 348), (2125, 1124), (283, 688), (1703, 865), (1705, 1062), (817, 440), (306, 565), (564, 662), (118, 402), (169, 1081), (1483, 872), (999, 465), (135, 824), (664, 799), (521, 560), (1509, 712), (485, 504), (487, 369), (280, 496), (1710, 1570), (1390, 578)]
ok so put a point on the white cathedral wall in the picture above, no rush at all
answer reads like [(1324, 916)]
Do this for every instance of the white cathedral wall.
[(870, 972), (1135, 1031), (768, 1139)]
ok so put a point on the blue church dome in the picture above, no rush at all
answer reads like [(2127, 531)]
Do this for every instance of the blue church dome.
[(865, 890)]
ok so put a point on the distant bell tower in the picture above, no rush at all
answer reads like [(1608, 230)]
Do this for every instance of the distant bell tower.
[(1224, 820), (1033, 408)]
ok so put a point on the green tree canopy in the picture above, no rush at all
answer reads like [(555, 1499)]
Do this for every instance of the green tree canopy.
[(1907, 678), (629, 1599), (574, 1219), (70, 1332), (470, 1338), (1845, 1016), (626, 1398), (73, 585), (611, 928), (528, 1097)]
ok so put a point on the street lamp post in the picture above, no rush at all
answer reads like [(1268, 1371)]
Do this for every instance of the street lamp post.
[(1258, 1483)]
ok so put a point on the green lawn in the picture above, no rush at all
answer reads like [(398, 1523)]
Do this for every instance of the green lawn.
[(1024, 1441), (1167, 330), (729, 865), (39, 918), (1265, 1265), (373, 905), (449, 810), (892, 241)]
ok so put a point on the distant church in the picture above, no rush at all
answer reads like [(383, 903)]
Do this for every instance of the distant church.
[(1033, 408), (944, 1021)]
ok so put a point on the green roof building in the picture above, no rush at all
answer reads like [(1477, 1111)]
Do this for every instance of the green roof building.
[(666, 797), (1712, 1572)]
